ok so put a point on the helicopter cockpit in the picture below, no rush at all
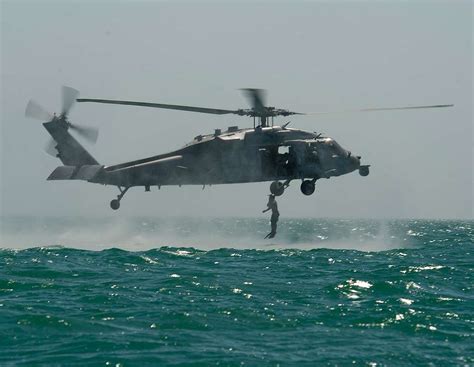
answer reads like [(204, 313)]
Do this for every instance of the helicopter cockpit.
[(333, 148), (336, 158)]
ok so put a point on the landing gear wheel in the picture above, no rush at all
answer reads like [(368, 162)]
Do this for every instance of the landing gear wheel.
[(115, 204), (307, 187), (277, 188)]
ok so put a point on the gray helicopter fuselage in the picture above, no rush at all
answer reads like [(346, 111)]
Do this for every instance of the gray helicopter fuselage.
[(237, 156), (264, 153)]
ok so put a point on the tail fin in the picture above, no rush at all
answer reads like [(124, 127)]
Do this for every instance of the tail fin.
[(64, 146), (70, 152)]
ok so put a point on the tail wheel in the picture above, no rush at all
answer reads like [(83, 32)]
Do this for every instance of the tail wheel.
[(115, 204), (277, 188), (307, 187)]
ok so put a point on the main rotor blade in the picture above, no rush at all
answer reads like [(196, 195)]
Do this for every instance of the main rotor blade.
[(35, 111), (257, 99), (381, 109), (214, 111), (87, 132), (69, 96)]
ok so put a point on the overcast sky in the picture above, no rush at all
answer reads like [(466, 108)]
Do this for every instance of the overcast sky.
[(310, 56)]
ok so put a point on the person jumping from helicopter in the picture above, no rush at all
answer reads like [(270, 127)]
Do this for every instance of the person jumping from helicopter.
[(273, 206)]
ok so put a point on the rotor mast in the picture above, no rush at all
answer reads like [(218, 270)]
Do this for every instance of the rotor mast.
[(259, 109)]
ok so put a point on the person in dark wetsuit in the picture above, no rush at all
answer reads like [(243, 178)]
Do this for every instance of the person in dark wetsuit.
[(273, 206)]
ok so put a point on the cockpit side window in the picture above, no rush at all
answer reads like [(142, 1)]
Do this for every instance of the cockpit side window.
[(311, 154)]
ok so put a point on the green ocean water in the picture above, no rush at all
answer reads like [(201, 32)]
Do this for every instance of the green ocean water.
[(183, 291)]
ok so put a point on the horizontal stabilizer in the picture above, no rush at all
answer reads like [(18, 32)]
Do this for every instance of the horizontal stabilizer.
[(85, 173), (62, 173)]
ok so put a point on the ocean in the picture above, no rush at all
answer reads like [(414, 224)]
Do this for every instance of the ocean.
[(206, 292)]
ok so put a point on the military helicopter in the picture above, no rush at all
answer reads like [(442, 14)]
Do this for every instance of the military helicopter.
[(265, 152)]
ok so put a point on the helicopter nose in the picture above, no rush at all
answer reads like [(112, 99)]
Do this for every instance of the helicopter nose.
[(355, 161)]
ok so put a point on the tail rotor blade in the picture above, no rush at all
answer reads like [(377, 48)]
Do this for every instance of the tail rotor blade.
[(35, 111), (87, 132), (69, 96), (50, 148)]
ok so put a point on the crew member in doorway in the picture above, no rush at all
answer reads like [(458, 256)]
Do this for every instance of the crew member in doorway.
[(273, 206)]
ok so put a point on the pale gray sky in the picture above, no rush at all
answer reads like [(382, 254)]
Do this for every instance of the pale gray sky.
[(310, 56)]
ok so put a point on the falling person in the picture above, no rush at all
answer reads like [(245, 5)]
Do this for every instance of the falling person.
[(273, 206)]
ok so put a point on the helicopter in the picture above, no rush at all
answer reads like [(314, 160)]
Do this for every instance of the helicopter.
[(265, 152)]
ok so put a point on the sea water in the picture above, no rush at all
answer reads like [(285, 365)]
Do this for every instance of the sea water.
[(184, 291)]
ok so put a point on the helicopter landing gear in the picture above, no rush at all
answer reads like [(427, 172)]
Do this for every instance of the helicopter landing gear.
[(307, 187), (115, 204), (277, 188)]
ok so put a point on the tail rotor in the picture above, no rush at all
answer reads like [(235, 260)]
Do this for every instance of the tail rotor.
[(35, 111), (89, 133), (69, 95)]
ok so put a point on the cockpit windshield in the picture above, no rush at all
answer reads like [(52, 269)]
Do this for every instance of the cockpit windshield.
[(333, 145)]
